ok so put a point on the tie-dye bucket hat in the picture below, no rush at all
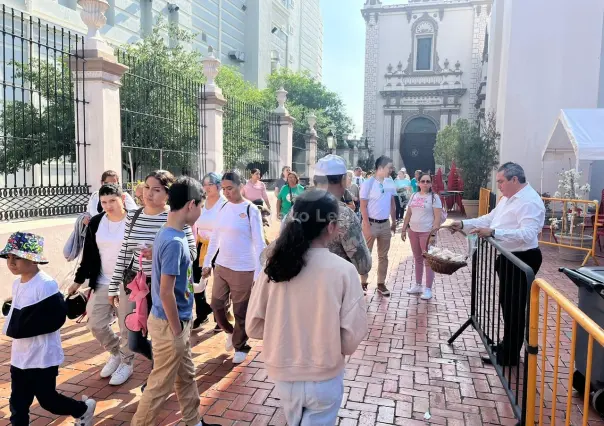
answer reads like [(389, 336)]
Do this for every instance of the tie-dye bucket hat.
[(26, 246)]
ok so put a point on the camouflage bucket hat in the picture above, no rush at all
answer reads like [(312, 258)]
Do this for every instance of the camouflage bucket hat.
[(26, 246)]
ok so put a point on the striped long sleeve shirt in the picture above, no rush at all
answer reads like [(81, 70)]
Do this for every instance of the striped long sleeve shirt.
[(143, 232)]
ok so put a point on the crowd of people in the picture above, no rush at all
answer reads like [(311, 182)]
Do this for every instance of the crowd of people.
[(148, 262)]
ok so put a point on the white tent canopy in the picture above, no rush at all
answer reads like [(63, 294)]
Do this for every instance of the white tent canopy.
[(576, 141), (578, 131)]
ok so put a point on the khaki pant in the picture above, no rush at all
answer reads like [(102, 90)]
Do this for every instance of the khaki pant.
[(100, 314), (382, 233), (173, 368), (239, 286)]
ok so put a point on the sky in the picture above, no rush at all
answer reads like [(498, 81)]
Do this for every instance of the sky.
[(344, 53)]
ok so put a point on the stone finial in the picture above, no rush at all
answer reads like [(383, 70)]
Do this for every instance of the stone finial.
[(312, 120), (93, 15), (457, 65), (446, 64), (211, 66), (281, 99)]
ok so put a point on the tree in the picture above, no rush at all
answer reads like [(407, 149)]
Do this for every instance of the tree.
[(310, 95), (477, 154), (39, 125), (159, 102), (446, 146)]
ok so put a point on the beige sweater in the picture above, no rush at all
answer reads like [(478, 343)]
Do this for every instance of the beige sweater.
[(309, 323)]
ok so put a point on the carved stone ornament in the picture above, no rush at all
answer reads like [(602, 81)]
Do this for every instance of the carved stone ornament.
[(399, 66), (281, 98), (437, 67), (211, 65), (389, 68), (93, 15), (312, 120), (409, 15), (457, 65), (446, 64), (409, 69), (424, 27)]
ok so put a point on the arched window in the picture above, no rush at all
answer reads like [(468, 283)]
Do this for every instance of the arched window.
[(424, 46)]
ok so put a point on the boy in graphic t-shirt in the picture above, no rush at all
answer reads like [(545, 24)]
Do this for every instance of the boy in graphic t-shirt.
[(37, 313), (169, 323)]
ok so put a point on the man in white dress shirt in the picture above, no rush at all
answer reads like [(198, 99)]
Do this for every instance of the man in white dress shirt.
[(515, 224)]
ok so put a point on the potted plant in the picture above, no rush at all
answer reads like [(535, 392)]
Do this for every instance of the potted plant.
[(476, 155), (569, 229)]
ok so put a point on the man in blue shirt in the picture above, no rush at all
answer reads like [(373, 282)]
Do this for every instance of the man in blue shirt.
[(170, 321)]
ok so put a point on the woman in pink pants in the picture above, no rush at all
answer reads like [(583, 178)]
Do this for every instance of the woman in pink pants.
[(423, 214)]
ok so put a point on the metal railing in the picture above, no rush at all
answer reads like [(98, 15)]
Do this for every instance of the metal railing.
[(42, 155), (500, 291), (571, 225), (300, 155), (162, 120), (551, 371), (251, 139)]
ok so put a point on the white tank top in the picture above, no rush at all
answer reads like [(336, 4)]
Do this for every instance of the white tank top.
[(207, 220)]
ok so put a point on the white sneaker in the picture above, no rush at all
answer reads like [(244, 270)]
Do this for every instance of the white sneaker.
[(111, 366), (416, 289), (88, 417), (239, 357), (228, 344), (122, 374), (427, 294)]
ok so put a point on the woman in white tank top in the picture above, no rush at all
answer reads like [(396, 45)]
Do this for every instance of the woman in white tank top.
[(205, 226)]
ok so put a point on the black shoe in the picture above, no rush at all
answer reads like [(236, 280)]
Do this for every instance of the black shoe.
[(199, 322), (208, 424), (246, 348), (217, 329)]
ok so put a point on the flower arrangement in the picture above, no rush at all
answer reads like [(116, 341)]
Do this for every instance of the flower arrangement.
[(573, 217)]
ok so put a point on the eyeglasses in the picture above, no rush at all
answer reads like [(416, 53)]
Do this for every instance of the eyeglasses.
[(425, 181)]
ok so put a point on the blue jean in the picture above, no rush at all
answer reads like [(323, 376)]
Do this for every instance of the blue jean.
[(311, 403)]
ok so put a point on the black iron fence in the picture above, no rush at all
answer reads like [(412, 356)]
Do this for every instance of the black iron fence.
[(42, 156), (251, 139), (300, 153), (499, 311), (162, 120)]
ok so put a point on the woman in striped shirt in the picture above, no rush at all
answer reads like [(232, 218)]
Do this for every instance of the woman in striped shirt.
[(140, 242)]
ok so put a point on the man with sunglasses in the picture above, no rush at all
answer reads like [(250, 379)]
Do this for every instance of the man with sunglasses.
[(377, 206)]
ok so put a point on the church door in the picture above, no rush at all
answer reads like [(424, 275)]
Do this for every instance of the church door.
[(417, 145)]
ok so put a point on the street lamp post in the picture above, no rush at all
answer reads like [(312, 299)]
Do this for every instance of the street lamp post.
[(331, 142)]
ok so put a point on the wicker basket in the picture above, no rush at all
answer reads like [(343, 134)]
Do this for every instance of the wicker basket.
[(443, 266)]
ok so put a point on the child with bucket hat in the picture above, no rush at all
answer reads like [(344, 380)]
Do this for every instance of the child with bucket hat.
[(36, 315)]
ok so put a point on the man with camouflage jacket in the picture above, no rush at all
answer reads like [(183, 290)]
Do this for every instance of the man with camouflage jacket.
[(349, 244)]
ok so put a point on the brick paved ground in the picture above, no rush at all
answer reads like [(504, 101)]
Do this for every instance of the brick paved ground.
[(403, 370)]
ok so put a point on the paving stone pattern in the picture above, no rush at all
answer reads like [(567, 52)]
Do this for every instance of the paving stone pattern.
[(401, 371)]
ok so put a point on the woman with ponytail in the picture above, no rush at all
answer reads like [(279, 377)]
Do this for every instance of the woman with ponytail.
[(304, 299)]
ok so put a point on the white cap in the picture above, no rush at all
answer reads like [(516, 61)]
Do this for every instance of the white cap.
[(330, 165)]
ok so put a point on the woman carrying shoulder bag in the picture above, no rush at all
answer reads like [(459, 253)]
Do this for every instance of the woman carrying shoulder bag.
[(424, 212)]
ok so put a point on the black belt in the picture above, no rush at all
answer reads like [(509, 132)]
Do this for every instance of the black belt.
[(378, 220)]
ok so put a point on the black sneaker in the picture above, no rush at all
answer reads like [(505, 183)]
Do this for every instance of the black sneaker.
[(383, 290), (199, 322), (217, 329)]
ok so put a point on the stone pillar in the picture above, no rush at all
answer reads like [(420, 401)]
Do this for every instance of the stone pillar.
[(212, 111), (97, 80), (311, 146), (285, 134), (396, 144), (355, 156)]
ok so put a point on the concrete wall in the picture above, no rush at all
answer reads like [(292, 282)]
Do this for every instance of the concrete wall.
[(55, 231), (536, 70)]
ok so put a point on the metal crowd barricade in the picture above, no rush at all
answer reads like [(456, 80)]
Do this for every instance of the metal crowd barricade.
[(556, 400), (483, 201), (571, 224), (497, 274)]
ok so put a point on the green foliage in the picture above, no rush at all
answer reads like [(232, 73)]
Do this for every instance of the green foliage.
[(159, 101), (37, 134), (446, 146), (476, 154)]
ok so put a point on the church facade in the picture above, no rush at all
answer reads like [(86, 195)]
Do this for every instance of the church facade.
[(423, 71)]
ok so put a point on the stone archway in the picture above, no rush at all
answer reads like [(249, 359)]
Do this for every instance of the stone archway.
[(417, 144)]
